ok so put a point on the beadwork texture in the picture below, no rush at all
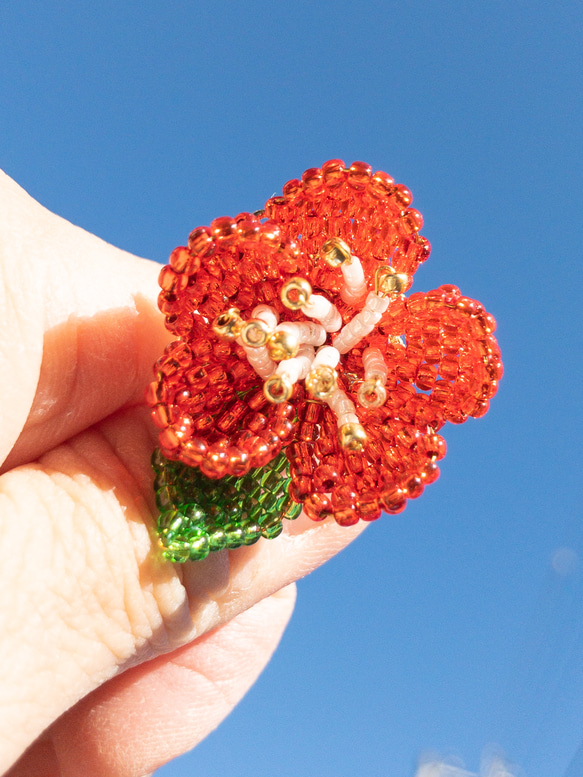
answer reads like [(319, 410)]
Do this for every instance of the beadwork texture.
[(433, 356)]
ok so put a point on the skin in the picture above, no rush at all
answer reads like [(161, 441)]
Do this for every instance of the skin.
[(112, 660)]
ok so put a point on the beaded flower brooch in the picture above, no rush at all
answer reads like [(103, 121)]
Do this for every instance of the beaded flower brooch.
[(301, 376)]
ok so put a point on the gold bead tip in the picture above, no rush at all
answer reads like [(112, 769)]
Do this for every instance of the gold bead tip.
[(387, 281), (282, 344), (228, 325), (336, 252), (255, 333), (352, 437), (322, 382), (277, 389), (295, 293), (371, 393)]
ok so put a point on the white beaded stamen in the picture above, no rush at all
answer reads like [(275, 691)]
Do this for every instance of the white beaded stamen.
[(355, 286), (363, 323), (343, 408), (305, 331), (324, 311), (372, 392)]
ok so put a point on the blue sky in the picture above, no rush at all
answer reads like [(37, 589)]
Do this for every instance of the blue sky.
[(458, 623)]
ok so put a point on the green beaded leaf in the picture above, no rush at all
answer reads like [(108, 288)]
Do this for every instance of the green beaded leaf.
[(199, 515)]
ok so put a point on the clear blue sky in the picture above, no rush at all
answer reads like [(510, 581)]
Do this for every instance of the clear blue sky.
[(460, 622)]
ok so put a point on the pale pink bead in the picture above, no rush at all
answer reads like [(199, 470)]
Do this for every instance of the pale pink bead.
[(328, 356), (267, 314), (354, 287)]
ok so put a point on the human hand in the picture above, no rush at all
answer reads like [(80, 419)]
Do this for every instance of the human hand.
[(113, 661)]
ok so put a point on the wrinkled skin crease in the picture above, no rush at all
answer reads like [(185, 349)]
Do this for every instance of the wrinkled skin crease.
[(87, 595)]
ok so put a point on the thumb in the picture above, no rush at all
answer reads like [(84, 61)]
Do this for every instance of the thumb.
[(79, 327)]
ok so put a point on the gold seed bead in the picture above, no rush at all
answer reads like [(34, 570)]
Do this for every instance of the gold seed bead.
[(277, 389), (352, 436), (371, 393), (387, 281), (228, 325), (321, 382), (255, 333), (282, 344), (295, 293), (336, 252)]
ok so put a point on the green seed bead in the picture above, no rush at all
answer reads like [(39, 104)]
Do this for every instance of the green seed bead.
[(252, 532), (157, 460), (170, 523), (199, 546), (267, 500), (177, 551), (254, 491), (194, 513), (280, 504), (217, 538), (233, 511), (234, 535), (292, 511), (217, 515), (271, 527), (281, 463), (256, 513), (164, 498)]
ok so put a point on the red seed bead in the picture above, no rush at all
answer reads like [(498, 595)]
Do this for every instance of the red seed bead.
[(237, 461), (333, 172), (270, 234), (393, 501), (344, 497), (449, 367), (402, 196), (433, 446), (300, 487), (313, 181), (359, 174), (224, 230), (368, 507), (200, 242), (412, 220), (291, 189), (202, 348), (249, 231), (450, 294), (346, 517), (214, 464), (204, 423), (325, 477), (430, 474), (318, 507), (426, 376), (381, 185), (432, 350), (169, 439), (416, 303), (182, 261), (193, 451), (481, 408), (259, 452), (156, 392), (256, 422), (164, 415), (414, 486), (272, 441), (298, 454)]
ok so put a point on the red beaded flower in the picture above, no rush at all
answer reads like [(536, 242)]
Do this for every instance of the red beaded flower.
[(294, 332)]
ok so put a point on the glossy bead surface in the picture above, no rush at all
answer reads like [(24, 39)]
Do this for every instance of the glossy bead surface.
[(250, 463)]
